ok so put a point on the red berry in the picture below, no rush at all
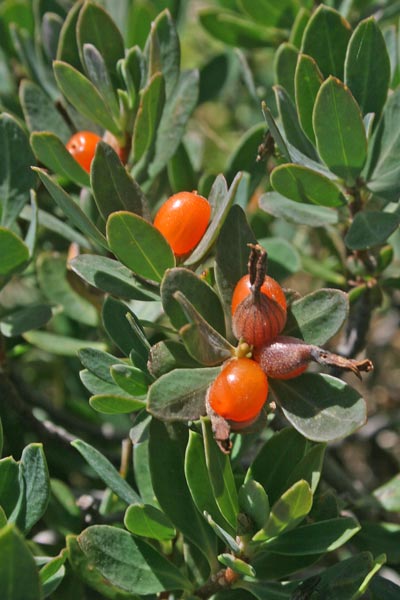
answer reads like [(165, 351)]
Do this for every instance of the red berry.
[(286, 357), (82, 146), (240, 390), (183, 220)]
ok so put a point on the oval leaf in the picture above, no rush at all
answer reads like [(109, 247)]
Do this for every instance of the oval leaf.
[(321, 407), (308, 79), (139, 246), (51, 151), (339, 130), (371, 228), (302, 214), (301, 184), (114, 404), (147, 521)]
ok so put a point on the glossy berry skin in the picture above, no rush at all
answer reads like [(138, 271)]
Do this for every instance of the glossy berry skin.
[(240, 390), (183, 220), (285, 358), (82, 146), (258, 316)]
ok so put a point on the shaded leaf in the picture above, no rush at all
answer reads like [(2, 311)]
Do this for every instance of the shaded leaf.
[(293, 132), (167, 355), (58, 344), (254, 502), (325, 39), (25, 319), (320, 407), (367, 67), (130, 563), (106, 471), (147, 122), (16, 177), (40, 113), (180, 394), (17, 559), (36, 486), (388, 494), (371, 228)]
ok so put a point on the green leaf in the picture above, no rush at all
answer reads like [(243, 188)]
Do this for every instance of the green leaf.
[(236, 31), (106, 471), (254, 502), (197, 292), (130, 563), (175, 116), (339, 130), (14, 253), (36, 486), (276, 460), (213, 77), (302, 214), (51, 151), (232, 252), (228, 540), (388, 494), (269, 565), (114, 404), (382, 171), (130, 379), (113, 188), (52, 277), (221, 201), (110, 276), (96, 69), (1, 439), (60, 345), (318, 315), (325, 40), (384, 588), (380, 538), (198, 480), (97, 362), (285, 67), (71, 209), (298, 27), (371, 228), (309, 467), (221, 476), (95, 385), (16, 177), (40, 113), (10, 485), (236, 564), (288, 511), (164, 51), (321, 537), (367, 67), (53, 573), (84, 96), (181, 175), (167, 355), (116, 318), (293, 132), (138, 245), (55, 225), (17, 560), (147, 521), (265, 590), (25, 319), (268, 12), (201, 340), (283, 258), (344, 579), (96, 27), (320, 407), (308, 79), (243, 157), (171, 489), (67, 50), (305, 185), (147, 122), (180, 394)]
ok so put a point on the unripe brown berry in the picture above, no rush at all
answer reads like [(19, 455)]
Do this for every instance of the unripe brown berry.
[(284, 358)]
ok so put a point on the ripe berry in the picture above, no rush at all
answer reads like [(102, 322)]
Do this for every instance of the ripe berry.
[(258, 303), (82, 146), (240, 390), (183, 220)]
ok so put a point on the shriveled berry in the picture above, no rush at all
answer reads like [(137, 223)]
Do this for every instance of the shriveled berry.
[(284, 358), (82, 146), (183, 220), (258, 303), (239, 391)]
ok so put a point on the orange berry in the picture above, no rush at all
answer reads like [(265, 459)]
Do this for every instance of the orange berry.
[(183, 220), (82, 146), (239, 391)]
